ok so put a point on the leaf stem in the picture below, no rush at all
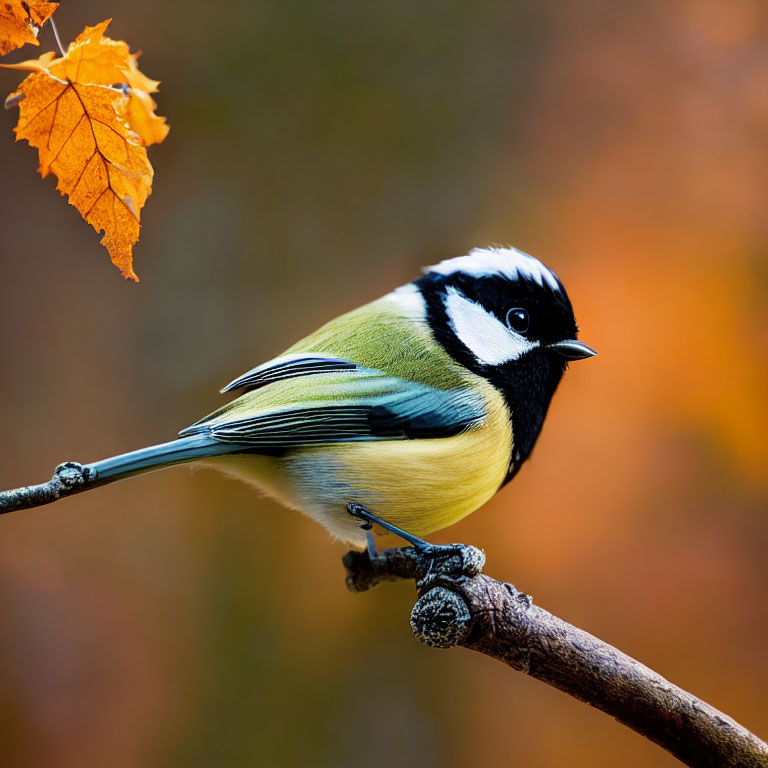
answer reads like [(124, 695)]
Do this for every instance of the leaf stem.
[(56, 35)]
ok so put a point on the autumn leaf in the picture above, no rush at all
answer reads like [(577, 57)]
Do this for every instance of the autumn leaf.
[(103, 61), (141, 106), (78, 110), (20, 22), (32, 65), (99, 161)]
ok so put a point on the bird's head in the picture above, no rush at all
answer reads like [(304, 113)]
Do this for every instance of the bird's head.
[(506, 317)]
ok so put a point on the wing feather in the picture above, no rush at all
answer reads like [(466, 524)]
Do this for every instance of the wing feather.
[(287, 368), (355, 404)]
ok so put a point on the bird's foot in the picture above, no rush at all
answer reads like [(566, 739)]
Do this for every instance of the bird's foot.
[(430, 564), (367, 519), (370, 545)]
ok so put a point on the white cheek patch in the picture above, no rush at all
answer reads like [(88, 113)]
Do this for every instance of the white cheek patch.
[(489, 340)]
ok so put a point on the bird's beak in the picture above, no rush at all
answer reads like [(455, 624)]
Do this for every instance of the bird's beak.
[(573, 350)]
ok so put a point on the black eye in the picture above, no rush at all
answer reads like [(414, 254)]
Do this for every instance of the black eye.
[(518, 320)]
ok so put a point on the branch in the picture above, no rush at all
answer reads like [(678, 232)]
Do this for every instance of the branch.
[(67, 479), (457, 605)]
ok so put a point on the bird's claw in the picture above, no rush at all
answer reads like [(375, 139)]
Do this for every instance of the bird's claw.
[(366, 520)]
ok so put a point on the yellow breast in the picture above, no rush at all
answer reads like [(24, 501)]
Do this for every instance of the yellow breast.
[(429, 484), (419, 485)]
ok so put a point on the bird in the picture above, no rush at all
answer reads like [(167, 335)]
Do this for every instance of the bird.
[(403, 415)]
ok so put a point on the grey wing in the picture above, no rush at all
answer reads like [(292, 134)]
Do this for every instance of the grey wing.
[(363, 404)]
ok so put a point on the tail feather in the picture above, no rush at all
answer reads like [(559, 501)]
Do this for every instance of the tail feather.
[(155, 457)]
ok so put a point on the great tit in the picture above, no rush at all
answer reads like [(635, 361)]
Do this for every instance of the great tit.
[(415, 409)]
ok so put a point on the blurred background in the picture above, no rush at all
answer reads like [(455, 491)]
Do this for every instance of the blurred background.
[(319, 154)]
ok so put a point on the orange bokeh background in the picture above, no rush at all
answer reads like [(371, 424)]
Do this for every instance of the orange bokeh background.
[(319, 155)]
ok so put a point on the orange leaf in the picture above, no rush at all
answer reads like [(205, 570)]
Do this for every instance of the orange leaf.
[(77, 111), (20, 22), (93, 58), (141, 106), (32, 65)]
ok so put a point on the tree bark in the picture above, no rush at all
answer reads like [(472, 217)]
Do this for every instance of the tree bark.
[(457, 605)]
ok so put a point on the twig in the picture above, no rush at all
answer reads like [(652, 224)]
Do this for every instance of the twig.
[(457, 605), (67, 479)]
